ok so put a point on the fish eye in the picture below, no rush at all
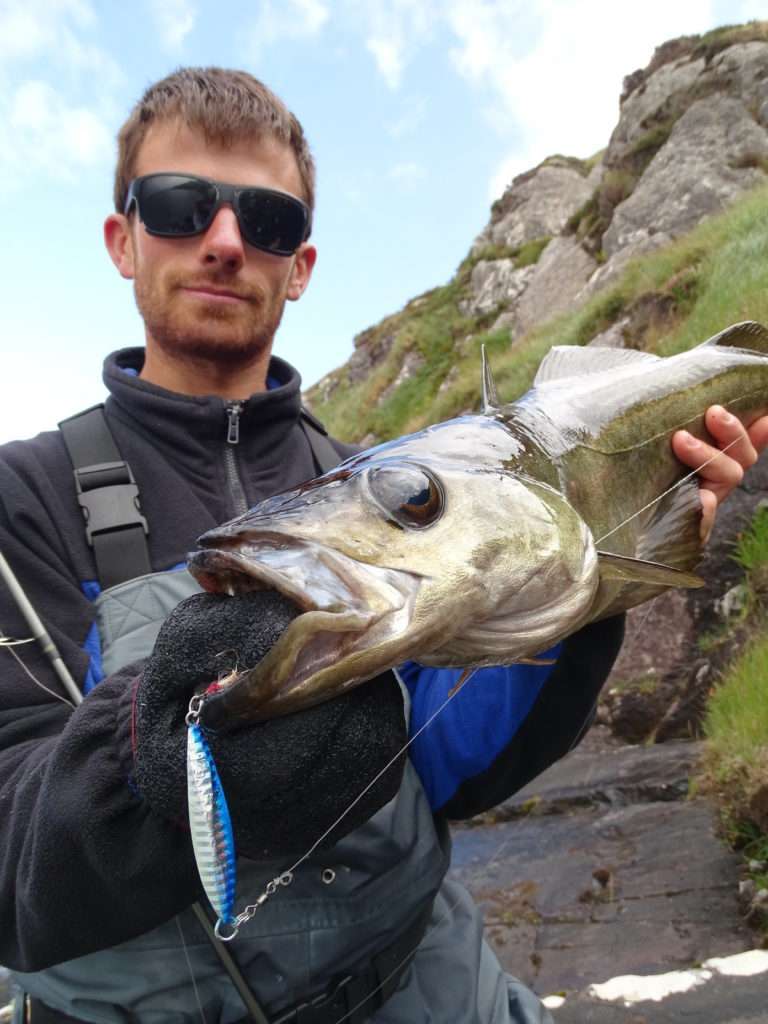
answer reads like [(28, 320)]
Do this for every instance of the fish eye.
[(407, 494)]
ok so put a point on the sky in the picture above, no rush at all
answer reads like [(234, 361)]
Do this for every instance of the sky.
[(419, 113)]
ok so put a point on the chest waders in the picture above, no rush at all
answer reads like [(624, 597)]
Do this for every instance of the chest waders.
[(344, 932)]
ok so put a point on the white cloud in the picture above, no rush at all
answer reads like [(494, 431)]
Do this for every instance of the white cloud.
[(56, 85), (314, 12), (394, 30), (411, 118), (408, 172), (41, 131), (387, 51), (562, 94), (174, 19), (287, 19), (37, 27)]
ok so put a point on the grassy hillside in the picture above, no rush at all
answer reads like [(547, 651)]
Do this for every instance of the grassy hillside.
[(735, 767), (673, 298)]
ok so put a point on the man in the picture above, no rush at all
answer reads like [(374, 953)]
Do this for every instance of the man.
[(97, 874)]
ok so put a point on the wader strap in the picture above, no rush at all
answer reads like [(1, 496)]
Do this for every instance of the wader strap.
[(354, 998), (325, 455), (108, 497), (255, 1013)]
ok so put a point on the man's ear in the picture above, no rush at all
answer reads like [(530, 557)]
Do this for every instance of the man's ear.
[(303, 262), (119, 243)]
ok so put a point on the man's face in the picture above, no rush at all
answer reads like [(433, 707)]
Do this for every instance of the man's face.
[(211, 296)]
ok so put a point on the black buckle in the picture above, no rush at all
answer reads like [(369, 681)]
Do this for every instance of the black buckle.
[(109, 498)]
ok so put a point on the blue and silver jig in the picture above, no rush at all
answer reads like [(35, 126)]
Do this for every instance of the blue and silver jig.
[(211, 827)]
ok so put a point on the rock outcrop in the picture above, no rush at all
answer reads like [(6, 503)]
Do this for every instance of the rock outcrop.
[(692, 136), (537, 204)]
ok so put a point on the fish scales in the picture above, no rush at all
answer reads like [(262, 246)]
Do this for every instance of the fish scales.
[(487, 538)]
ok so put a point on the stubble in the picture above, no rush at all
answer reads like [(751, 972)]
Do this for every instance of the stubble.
[(193, 330)]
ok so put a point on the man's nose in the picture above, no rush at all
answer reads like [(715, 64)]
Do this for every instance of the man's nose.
[(222, 243)]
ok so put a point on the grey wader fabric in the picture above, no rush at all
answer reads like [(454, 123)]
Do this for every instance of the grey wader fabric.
[(319, 928)]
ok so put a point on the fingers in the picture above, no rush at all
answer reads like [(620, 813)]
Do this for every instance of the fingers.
[(717, 471), (726, 429), (758, 433), (720, 471), (708, 513)]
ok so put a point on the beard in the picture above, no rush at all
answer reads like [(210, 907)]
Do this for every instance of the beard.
[(189, 328)]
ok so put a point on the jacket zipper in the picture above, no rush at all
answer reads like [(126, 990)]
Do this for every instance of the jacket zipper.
[(237, 494)]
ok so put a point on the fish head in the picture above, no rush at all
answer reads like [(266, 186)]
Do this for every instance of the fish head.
[(431, 548)]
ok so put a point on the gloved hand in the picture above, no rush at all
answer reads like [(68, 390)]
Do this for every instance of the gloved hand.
[(286, 780)]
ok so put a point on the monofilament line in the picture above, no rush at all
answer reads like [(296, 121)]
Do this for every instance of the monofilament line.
[(669, 490), (454, 691), (35, 680)]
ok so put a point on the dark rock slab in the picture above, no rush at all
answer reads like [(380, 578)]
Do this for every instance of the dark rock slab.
[(601, 773), (609, 872), (572, 898)]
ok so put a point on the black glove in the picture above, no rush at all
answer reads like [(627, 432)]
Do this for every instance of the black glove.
[(286, 780)]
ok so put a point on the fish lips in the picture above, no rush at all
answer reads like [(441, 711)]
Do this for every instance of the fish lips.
[(346, 607)]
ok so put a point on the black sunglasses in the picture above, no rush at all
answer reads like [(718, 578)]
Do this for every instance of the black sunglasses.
[(180, 205)]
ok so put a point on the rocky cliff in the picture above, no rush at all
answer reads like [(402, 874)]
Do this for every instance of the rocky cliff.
[(692, 136)]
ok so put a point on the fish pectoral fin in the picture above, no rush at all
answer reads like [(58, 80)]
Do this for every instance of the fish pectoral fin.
[(637, 570), (536, 661)]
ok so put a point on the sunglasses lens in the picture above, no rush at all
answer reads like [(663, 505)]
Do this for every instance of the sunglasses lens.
[(173, 205), (272, 222)]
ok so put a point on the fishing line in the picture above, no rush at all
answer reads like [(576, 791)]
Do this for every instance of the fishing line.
[(466, 676), (505, 843), (10, 648), (286, 877), (669, 490), (191, 971), (449, 908)]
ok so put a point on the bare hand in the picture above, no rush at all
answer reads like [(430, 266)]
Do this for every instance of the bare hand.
[(719, 477)]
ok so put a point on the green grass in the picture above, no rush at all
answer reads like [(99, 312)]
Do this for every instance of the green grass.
[(752, 547), (735, 763), (717, 275), (736, 725)]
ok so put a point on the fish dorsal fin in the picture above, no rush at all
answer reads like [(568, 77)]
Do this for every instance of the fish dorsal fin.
[(749, 334), (624, 569), (563, 361), (490, 397)]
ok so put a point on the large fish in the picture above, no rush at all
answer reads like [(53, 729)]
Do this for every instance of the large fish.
[(485, 539)]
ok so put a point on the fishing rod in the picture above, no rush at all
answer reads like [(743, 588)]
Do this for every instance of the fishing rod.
[(39, 632)]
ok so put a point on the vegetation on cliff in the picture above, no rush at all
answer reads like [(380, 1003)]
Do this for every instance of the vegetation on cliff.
[(735, 766), (665, 302)]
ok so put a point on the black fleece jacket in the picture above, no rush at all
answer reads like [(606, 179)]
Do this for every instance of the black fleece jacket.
[(85, 863)]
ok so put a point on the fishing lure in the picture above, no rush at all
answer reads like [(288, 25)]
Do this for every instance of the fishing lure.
[(209, 821), (213, 841)]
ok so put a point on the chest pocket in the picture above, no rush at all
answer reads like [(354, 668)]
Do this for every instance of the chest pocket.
[(130, 615)]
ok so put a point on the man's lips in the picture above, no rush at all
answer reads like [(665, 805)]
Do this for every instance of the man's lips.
[(212, 294)]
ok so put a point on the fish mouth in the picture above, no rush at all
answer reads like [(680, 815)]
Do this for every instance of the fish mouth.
[(346, 609)]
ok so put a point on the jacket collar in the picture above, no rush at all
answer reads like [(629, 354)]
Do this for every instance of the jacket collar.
[(202, 417)]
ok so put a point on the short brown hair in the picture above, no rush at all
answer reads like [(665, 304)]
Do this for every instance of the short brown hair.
[(225, 106)]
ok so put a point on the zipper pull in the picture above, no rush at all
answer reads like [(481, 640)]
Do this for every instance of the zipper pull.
[(233, 426)]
